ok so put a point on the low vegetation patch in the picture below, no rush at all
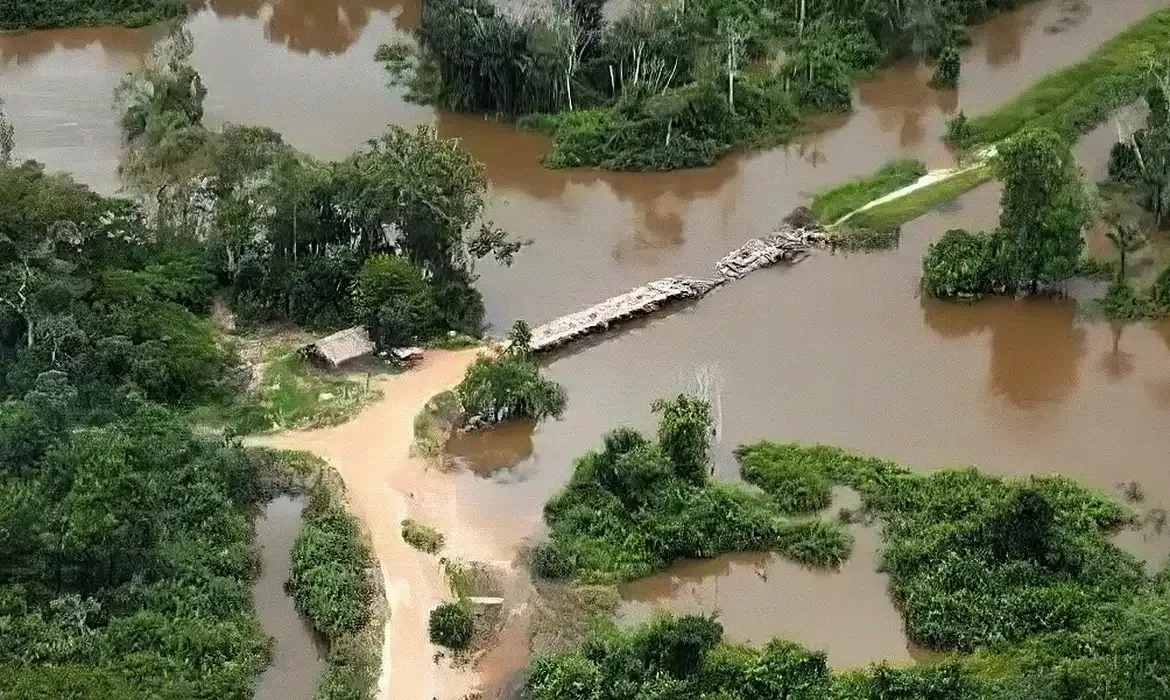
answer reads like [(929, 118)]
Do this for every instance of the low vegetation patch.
[(434, 423), (848, 237), (422, 537), (830, 205), (51, 14), (1075, 100), (637, 505), (892, 214)]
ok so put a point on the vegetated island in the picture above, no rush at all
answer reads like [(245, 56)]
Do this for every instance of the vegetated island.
[(53, 14), (669, 84), (1016, 578)]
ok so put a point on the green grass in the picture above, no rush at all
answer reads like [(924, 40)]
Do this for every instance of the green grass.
[(892, 214), (292, 394), (831, 204), (1074, 100)]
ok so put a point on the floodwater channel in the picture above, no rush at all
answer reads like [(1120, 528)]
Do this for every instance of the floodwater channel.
[(296, 665), (838, 349)]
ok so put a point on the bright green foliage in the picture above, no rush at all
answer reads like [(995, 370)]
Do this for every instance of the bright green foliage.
[(946, 71), (1076, 99), (780, 471), (510, 386), (629, 510), (974, 560), (422, 537), (962, 264), (830, 205), (49, 14), (889, 215), (452, 625), (684, 435), (328, 580), (1043, 210)]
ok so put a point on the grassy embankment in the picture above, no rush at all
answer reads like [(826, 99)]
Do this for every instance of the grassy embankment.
[(334, 581), (53, 14), (1072, 102)]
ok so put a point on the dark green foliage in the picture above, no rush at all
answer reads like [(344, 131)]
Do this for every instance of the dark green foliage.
[(1123, 303), (129, 573), (1038, 243), (1043, 208), (510, 386), (451, 625), (48, 14), (946, 71), (394, 301), (663, 87), (962, 264), (328, 580), (630, 510)]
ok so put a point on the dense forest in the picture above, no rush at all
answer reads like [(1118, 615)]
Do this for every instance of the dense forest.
[(47, 14), (669, 84), (125, 554)]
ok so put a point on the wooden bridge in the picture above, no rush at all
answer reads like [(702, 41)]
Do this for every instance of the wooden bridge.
[(787, 244)]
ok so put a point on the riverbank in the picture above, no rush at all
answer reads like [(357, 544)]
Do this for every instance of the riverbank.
[(386, 485)]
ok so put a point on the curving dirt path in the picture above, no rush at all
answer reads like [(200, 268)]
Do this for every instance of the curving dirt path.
[(386, 485)]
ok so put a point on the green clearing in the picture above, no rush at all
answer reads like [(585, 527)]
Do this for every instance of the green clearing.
[(894, 213), (831, 204), (1075, 100)]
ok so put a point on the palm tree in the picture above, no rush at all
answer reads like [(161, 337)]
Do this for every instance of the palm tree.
[(1127, 238)]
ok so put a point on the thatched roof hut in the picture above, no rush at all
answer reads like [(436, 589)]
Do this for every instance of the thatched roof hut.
[(341, 347)]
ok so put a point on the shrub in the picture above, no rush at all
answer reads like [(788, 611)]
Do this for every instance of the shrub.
[(451, 625), (961, 264), (422, 537), (1160, 291), (794, 488), (507, 387), (946, 71)]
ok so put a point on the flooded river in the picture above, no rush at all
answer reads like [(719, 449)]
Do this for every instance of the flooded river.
[(838, 349), (296, 665)]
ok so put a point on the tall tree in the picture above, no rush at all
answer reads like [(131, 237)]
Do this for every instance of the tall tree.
[(1043, 209)]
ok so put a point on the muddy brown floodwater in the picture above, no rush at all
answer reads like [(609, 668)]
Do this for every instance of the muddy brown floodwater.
[(296, 665), (838, 349)]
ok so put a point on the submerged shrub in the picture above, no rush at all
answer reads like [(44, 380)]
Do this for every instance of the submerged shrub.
[(422, 537), (451, 625), (946, 71), (960, 264)]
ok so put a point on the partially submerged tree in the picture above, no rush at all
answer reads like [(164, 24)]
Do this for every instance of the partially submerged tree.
[(1043, 210), (510, 385)]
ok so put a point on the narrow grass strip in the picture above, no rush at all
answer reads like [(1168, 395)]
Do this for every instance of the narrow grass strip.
[(895, 212), (831, 204), (1075, 100)]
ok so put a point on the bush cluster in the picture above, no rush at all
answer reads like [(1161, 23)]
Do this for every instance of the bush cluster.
[(509, 385), (50, 14), (637, 505), (452, 625), (422, 537), (328, 581)]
